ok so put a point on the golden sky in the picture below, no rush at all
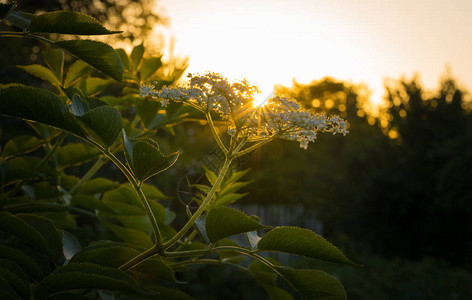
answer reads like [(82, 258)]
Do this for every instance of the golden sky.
[(274, 41)]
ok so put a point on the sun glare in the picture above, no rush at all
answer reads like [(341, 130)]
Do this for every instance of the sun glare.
[(261, 98)]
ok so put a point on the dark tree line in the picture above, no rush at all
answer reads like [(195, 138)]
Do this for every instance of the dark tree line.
[(399, 184)]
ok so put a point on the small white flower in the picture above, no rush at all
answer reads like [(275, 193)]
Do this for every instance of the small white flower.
[(281, 117)]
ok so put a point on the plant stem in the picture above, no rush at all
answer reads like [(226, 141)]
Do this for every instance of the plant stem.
[(98, 164), (204, 261), (137, 188), (38, 207), (215, 134), (139, 258), (202, 207), (24, 35), (253, 147)]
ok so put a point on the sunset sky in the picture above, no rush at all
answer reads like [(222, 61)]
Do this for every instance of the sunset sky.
[(274, 41)]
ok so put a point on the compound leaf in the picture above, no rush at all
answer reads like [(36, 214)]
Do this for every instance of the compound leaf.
[(300, 241), (223, 222), (68, 22)]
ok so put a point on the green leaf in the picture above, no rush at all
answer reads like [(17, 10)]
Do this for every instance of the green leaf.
[(136, 56), (38, 105), (114, 254), (300, 241), (25, 167), (223, 222), (229, 198), (47, 230), (54, 59), (68, 22), (74, 154), (146, 110), (149, 67), (70, 245), (267, 278), (102, 119), (210, 175), (98, 185), (44, 190), (76, 71), (131, 236), (42, 73), (20, 287), (26, 263), (89, 202), (20, 228), (124, 58), (314, 284), (20, 145), (94, 85), (145, 159), (75, 276), (97, 54), (5, 9)]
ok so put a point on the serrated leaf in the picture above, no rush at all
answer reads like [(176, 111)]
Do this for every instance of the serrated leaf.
[(74, 154), (136, 56), (223, 222), (145, 159), (300, 241), (20, 145), (149, 67), (97, 54), (42, 73), (38, 105), (68, 22), (76, 71), (26, 263), (70, 245), (266, 277), (54, 59), (47, 230), (98, 185), (85, 276), (314, 284), (103, 120)]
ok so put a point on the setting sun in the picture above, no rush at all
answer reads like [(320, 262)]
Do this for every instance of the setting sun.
[(363, 42)]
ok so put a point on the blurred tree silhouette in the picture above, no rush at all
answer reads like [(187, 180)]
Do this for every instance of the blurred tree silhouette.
[(399, 184)]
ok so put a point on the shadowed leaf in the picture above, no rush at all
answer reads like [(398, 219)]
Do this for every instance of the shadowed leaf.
[(300, 241), (68, 22), (223, 222)]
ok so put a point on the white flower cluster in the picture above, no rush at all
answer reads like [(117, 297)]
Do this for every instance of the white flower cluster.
[(281, 117)]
